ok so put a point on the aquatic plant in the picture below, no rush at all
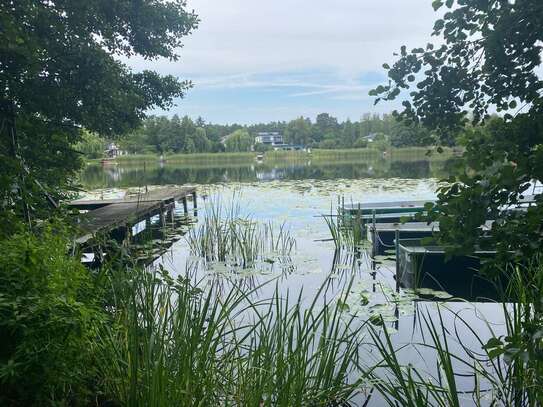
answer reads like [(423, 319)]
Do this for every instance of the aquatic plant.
[(507, 369), (174, 344), (228, 236), (300, 355), (346, 230)]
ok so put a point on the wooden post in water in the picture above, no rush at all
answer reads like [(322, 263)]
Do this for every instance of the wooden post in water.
[(161, 216), (195, 203), (172, 213), (397, 244), (360, 226), (373, 237), (126, 231), (185, 205)]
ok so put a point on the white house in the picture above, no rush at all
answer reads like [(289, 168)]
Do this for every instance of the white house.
[(113, 151), (270, 138)]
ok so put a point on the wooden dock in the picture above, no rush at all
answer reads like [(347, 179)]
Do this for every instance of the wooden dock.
[(110, 214), (381, 208)]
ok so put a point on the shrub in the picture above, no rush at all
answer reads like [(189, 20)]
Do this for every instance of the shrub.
[(48, 320)]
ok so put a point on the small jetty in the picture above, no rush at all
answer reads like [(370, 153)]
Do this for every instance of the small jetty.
[(381, 208), (108, 215), (426, 265), (382, 235)]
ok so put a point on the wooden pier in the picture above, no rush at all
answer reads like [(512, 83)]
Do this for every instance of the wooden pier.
[(111, 214)]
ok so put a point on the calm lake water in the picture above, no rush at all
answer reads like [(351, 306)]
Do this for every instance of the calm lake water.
[(297, 195)]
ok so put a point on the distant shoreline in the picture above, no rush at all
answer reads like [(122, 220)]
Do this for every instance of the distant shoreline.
[(408, 153)]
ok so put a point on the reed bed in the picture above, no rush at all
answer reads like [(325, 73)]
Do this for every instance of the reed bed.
[(228, 236), (506, 369), (174, 344), (346, 230), (224, 158)]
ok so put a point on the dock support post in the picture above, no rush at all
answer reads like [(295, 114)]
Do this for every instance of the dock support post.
[(172, 213), (161, 216), (126, 230), (373, 237), (195, 203), (397, 244), (185, 205)]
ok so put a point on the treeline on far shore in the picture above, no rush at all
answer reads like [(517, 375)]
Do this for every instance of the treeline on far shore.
[(175, 135), (319, 155)]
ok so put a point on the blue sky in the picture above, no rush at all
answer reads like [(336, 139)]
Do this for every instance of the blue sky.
[(255, 61)]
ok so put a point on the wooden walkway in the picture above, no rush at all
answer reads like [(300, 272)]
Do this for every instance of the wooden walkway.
[(109, 214)]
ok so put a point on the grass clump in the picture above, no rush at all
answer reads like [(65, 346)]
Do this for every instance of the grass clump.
[(346, 230), (175, 344), (507, 370), (227, 236), (50, 311)]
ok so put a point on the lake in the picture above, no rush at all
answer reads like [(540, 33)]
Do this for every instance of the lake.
[(296, 195)]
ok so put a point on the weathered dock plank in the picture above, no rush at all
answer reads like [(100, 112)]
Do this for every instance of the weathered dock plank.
[(107, 215), (166, 194), (368, 208)]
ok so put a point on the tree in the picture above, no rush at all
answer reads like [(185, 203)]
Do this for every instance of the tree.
[(298, 131), (91, 145), (60, 71), (349, 134), (326, 126), (238, 141), (488, 60), (408, 135), (200, 140)]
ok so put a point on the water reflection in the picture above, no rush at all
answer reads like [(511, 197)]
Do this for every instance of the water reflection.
[(96, 176)]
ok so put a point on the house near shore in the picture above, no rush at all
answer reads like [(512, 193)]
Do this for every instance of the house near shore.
[(275, 140), (271, 138), (113, 151)]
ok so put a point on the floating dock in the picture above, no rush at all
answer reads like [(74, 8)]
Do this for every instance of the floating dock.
[(382, 235), (380, 208), (110, 215), (427, 266)]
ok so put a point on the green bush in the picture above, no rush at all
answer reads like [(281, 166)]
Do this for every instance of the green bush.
[(48, 321)]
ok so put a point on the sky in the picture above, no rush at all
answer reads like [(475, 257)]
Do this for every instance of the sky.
[(259, 61)]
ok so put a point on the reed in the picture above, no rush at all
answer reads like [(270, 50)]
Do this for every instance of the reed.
[(301, 355), (353, 154), (346, 230), (507, 369), (172, 343), (228, 236)]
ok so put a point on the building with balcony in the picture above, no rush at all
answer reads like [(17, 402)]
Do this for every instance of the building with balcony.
[(269, 138)]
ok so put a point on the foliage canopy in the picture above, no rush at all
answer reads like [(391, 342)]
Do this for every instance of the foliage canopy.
[(488, 61), (61, 70)]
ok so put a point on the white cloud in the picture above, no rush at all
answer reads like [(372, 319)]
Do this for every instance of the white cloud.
[(304, 47), (255, 36)]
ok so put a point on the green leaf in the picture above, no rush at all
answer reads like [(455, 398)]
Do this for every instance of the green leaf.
[(449, 3), (436, 4), (512, 104), (386, 66), (492, 343)]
